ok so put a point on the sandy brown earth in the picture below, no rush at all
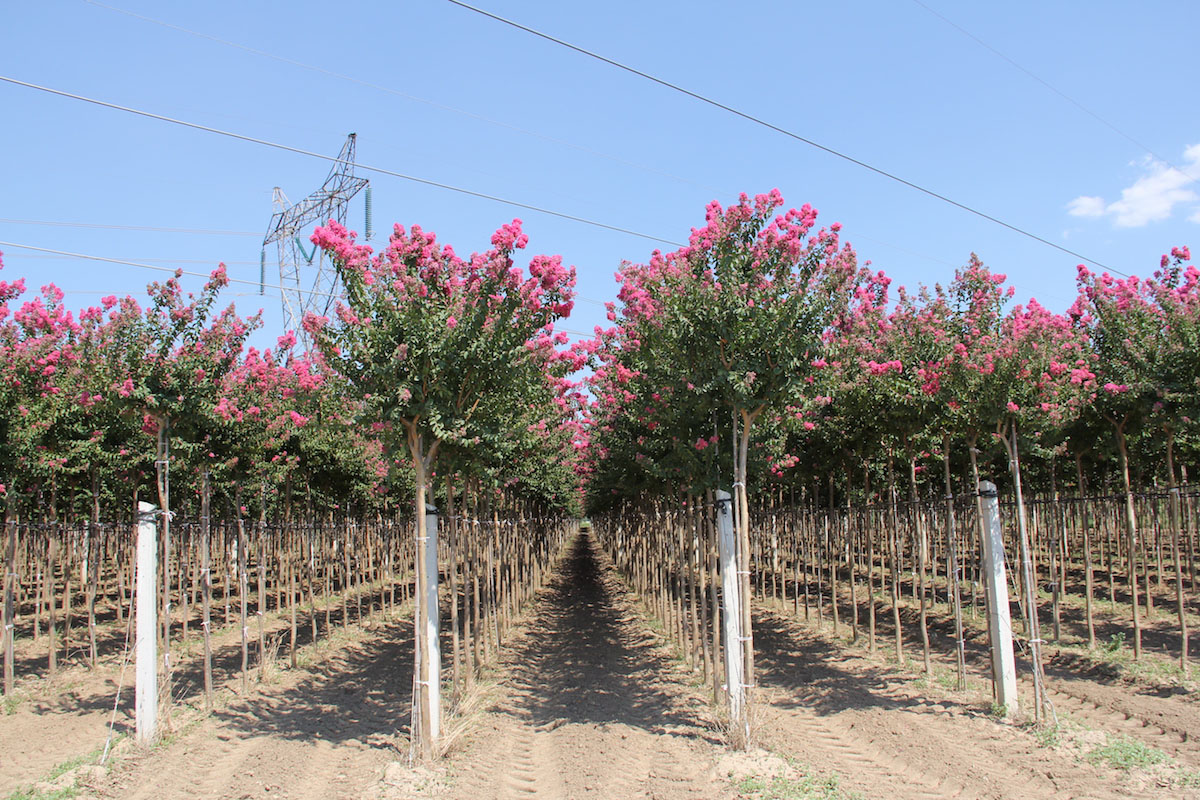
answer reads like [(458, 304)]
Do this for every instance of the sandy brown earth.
[(343, 696), (587, 702), (589, 705)]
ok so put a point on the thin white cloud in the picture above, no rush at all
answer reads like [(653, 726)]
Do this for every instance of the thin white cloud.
[(1151, 198), (1084, 206)]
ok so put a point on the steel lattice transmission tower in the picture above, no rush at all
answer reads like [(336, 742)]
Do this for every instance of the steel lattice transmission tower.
[(308, 281)]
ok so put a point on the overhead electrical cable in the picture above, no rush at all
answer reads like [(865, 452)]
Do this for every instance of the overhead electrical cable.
[(323, 157), (784, 131), (127, 227), (434, 104), (46, 252), (1049, 86), (396, 92), (154, 267), (158, 260)]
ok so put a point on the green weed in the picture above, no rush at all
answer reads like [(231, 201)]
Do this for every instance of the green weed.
[(1125, 754), (10, 703), (1188, 779), (64, 793), (807, 787), (1048, 735)]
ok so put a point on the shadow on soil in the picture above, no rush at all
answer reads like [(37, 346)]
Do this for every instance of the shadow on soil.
[(808, 668), (362, 692), (582, 661)]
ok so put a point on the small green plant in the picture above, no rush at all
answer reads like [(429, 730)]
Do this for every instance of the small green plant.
[(1125, 754), (1115, 643), (1188, 779), (948, 680), (64, 793), (10, 703), (1049, 735), (997, 710), (806, 787)]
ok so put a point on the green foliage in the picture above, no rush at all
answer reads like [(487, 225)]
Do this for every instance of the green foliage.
[(1125, 754), (1115, 643), (28, 793), (1048, 735), (1187, 779), (806, 787)]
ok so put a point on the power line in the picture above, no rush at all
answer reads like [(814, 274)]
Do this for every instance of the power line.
[(126, 227), (47, 252), (432, 104), (414, 98), (154, 267), (159, 260), (1048, 85), (784, 131), (323, 157)]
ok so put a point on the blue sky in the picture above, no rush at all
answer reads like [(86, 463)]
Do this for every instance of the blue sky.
[(1075, 121)]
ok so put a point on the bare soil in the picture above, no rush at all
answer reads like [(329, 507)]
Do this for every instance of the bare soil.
[(588, 702)]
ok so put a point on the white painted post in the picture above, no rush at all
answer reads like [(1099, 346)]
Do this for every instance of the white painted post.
[(432, 647), (146, 644), (1004, 670), (731, 616)]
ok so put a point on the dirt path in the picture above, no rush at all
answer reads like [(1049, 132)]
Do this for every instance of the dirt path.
[(321, 731), (67, 718), (827, 705), (589, 706)]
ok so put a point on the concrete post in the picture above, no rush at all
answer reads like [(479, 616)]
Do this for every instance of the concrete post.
[(432, 646), (146, 643), (1004, 670), (731, 601)]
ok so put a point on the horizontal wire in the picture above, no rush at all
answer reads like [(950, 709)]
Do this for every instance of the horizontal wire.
[(156, 268), (336, 160), (125, 227), (784, 131), (396, 92)]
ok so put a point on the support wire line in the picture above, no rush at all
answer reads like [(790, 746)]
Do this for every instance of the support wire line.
[(786, 132), (312, 154)]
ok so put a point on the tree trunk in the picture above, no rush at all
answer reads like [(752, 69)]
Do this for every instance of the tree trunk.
[(10, 588), (956, 598), (1174, 511), (1041, 701), (1131, 540), (206, 582)]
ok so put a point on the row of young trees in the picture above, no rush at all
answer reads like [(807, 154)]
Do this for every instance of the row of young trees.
[(434, 366), (762, 355), (757, 358)]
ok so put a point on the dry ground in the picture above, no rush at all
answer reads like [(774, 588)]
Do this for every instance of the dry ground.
[(587, 702)]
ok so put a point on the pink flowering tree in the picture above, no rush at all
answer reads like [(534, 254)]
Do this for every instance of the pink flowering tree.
[(1143, 336), (442, 350), (1176, 291), (740, 313)]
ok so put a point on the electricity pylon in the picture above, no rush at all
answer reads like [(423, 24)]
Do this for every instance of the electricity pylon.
[(308, 282)]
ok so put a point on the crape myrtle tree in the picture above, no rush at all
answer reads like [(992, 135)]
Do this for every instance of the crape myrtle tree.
[(739, 314), (1144, 340), (1176, 292), (899, 365), (440, 349), (167, 364), (1036, 374)]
